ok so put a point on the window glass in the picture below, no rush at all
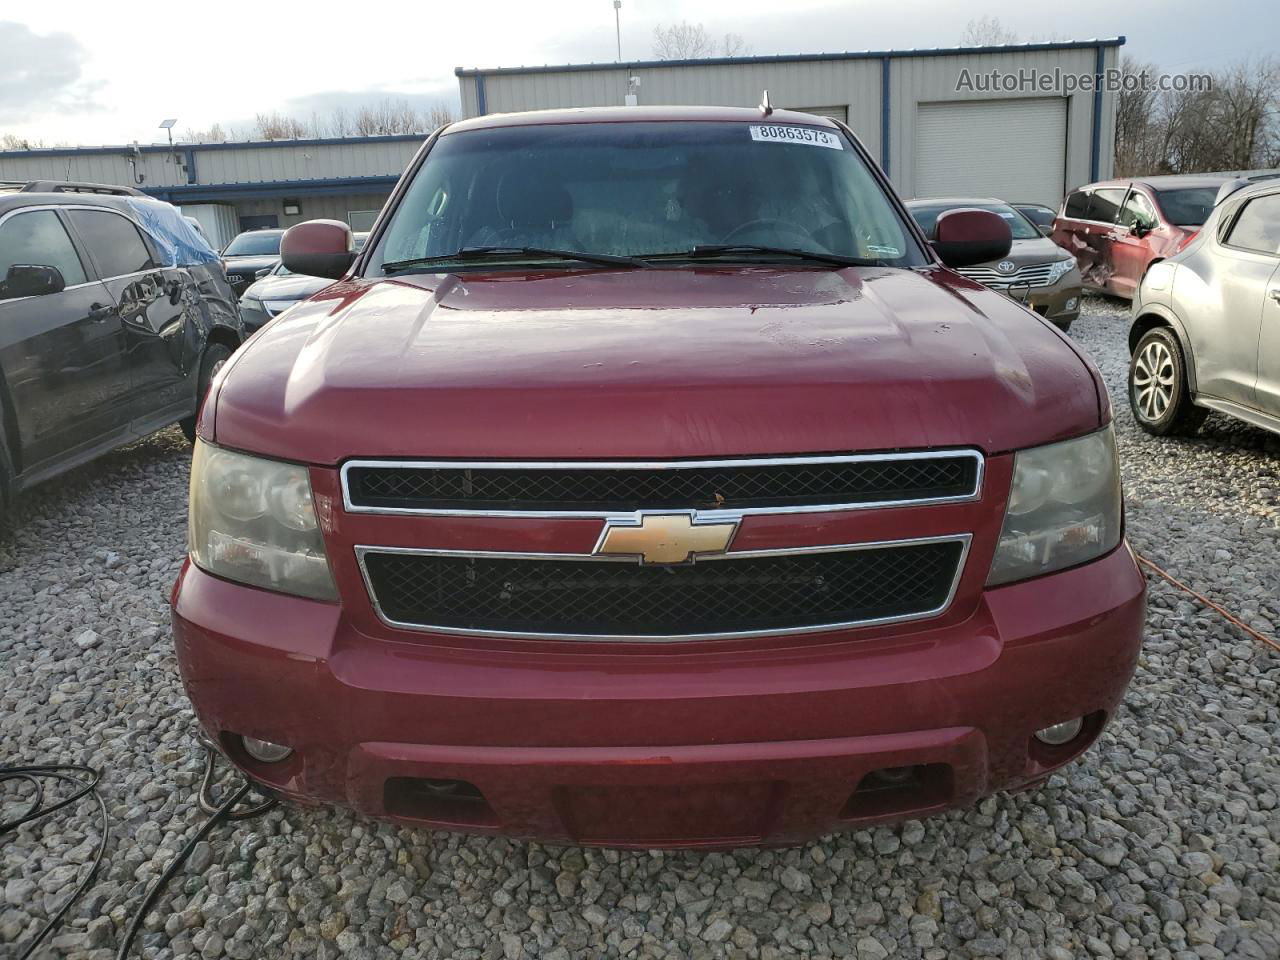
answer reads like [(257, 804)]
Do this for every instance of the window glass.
[(646, 188), (1077, 205), (927, 214), (1258, 226), (1138, 212), (1104, 205), (38, 238), (256, 243), (1187, 207), (113, 241)]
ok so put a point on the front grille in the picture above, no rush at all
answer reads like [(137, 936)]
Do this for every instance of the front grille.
[(1034, 275), (595, 598), (620, 487)]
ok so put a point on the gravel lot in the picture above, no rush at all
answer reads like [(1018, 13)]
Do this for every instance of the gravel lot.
[(1163, 842)]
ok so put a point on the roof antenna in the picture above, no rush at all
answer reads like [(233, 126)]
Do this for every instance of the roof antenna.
[(766, 107)]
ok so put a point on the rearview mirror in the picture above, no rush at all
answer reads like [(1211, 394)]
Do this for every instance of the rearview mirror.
[(318, 248), (32, 280), (967, 235)]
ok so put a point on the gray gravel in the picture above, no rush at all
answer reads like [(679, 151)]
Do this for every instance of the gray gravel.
[(1164, 842)]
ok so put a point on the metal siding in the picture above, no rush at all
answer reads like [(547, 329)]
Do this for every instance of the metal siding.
[(854, 84), (335, 207)]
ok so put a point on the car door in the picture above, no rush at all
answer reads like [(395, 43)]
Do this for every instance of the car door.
[(1257, 230), (1104, 210), (63, 355), (1226, 328), (152, 301), (1130, 249), (1069, 228)]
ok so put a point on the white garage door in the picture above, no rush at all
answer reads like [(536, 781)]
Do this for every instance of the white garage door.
[(1011, 149)]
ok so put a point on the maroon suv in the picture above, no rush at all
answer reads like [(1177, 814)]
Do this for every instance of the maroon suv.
[(1117, 228), (649, 480)]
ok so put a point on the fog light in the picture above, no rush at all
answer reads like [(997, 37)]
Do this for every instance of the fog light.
[(1061, 733), (1071, 304), (264, 750)]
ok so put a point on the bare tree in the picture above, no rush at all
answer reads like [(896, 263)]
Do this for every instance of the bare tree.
[(986, 32), (277, 126), (691, 41)]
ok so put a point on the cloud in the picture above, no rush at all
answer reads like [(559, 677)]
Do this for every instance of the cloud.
[(41, 74), (325, 102)]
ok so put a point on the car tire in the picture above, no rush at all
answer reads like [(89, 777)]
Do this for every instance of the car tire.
[(215, 355), (1158, 391)]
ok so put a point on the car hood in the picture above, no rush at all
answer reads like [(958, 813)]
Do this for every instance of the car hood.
[(250, 264), (1035, 250), (661, 363), (291, 287)]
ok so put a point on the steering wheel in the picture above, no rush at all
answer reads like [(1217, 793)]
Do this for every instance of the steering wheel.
[(781, 226)]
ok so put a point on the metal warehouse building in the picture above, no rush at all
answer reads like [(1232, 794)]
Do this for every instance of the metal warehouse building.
[(231, 187), (923, 113)]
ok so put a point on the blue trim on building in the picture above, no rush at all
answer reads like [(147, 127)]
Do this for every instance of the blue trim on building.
[(229, 145), (215, 192), (884, 114), (796, 57), (1095, 160), (482, 100)]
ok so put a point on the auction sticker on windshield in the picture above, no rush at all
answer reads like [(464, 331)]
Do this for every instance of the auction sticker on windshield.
[(809, 136)]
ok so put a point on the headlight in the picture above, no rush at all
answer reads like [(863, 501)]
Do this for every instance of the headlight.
[(1060, 268), (1063, 509), (253, 312), (275, 307), (253, 521)]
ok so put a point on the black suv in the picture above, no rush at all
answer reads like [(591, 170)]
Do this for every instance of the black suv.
[(114, 316)]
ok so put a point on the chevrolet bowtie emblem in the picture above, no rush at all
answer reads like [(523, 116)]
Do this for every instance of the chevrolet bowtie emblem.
[(665, 538)]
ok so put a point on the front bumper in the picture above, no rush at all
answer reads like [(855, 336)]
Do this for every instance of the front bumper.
[(1059, 302), (773, 744)]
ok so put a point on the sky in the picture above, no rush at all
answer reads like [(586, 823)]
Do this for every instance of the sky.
[(100, 73)]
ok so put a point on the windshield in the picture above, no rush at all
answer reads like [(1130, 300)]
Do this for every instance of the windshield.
[(927, 214), (639, 188), (1189, 207), (254, 245)]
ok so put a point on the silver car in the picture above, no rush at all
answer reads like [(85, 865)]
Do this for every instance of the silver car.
[(1206, 322)]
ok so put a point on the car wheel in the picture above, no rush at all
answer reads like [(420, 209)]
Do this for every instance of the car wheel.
[(1158, 390), (215, 356)]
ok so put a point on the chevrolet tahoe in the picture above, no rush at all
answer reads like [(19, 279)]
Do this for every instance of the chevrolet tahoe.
[(650, 480)]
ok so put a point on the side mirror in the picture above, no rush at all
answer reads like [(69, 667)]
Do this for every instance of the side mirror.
[(32, 280), (318, 248), (1140, 230), (966, 235), (1046, 229)]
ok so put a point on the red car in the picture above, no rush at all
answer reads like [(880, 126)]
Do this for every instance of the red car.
[(1117, 228), (648, 480)]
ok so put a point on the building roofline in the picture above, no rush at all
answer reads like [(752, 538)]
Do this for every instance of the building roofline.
[(182, 147), (794, 57)]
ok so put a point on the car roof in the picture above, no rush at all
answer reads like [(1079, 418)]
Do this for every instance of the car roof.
[(655, 114), (11, 201), (953, 201), (1165, 181)]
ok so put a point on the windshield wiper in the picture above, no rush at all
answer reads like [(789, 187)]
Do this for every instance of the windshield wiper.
[(719, 250), (499, 253)]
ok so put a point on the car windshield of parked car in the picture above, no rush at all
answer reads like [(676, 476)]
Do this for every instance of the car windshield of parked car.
[(640, 188), (254, 245), (1189, 206), (927, 216)]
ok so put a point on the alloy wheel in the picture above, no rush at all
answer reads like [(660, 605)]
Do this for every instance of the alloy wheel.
[(1154, 380)]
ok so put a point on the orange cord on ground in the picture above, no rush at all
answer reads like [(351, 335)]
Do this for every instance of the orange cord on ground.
[(1208, 603)]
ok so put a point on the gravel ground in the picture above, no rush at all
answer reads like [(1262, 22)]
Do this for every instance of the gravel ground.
[(1164, 841)]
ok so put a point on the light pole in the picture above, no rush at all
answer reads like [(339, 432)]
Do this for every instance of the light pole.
[(617, 25)]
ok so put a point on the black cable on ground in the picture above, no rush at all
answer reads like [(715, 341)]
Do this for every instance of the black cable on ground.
[(85, 781)]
